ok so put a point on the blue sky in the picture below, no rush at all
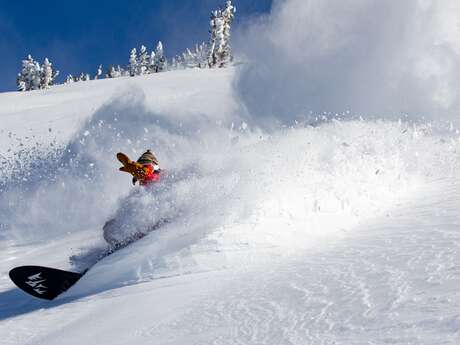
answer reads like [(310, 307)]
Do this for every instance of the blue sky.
[(77, 36)]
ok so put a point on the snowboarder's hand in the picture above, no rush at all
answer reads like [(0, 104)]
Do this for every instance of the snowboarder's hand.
[(134, 168)]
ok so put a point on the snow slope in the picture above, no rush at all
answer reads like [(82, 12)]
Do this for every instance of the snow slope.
[(335, 232)]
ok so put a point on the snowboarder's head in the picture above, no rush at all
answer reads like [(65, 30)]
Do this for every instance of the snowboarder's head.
[(149, 158)]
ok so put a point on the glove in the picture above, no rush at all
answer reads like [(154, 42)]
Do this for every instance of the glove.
[(134, 168)]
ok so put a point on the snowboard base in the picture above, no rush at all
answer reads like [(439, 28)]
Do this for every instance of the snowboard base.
[(43, 282)]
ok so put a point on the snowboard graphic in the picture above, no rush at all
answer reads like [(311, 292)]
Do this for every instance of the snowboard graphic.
[(43, 282), (48, 283)]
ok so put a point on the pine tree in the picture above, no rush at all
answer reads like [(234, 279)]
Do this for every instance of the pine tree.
[(201, 55), (21, 83), (220, 54), (152, 63), (212, 53), (98, 73), (120, 72), (173, 65), (36, 77), (110, 72), (48, 75), (69, 79), (225, 50), (107, 73), (143, 61), (133, 63), (181, 62), (30, 76), (189, 59), (26, 74), (83, 77), (160, 59), (220, 39)]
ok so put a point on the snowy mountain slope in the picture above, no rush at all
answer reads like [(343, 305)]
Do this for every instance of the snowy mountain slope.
[(342, 232), (63, 108)]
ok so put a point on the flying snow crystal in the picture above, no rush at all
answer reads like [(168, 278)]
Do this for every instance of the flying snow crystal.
[(372, 58)]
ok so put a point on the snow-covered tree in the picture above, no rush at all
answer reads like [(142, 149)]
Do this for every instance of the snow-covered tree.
[(201, 55), (225, 50), (34, 77), (173, 65), (98, 73), (48, 75), (114, 72), (189, 59), (84, 77), (220, 54), (152, 63), (121, 72), (178, 62), (161, 63), (110, 72), (21, 83), (196, 58), (143, 61), (212, 52), (133, 63), (31, 71), (22, 80), (30, 76), (36, 80), (69, 79)]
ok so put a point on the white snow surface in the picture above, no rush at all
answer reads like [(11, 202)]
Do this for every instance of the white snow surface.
[(333, 232)]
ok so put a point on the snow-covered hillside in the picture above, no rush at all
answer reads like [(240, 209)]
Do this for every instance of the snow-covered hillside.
[(332, 232)]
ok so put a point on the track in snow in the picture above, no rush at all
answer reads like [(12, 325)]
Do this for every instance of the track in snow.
[(395, 282)]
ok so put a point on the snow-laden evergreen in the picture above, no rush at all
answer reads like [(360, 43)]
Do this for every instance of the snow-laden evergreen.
[(201, 55), (161, 63), (220, 53), (34, 77), (213, 43), (133, 65), (143, 67), (98, 74), (193, 59), (116, 72), (69, 79), (225, 50), (151, 62), (48, 75)]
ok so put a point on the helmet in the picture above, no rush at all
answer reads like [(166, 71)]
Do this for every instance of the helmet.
[(148, 157)]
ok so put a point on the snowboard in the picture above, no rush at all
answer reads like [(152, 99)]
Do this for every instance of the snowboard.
[(48, 283), (43, 282)]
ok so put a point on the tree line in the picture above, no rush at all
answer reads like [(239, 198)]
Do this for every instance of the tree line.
[(217, 53)]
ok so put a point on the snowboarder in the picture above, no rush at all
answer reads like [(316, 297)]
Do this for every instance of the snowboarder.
[(145, 170)]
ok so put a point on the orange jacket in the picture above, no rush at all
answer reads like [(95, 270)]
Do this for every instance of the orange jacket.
[(150, 176)]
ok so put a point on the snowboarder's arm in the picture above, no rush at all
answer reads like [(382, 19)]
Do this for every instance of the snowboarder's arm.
[(134, 168)]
